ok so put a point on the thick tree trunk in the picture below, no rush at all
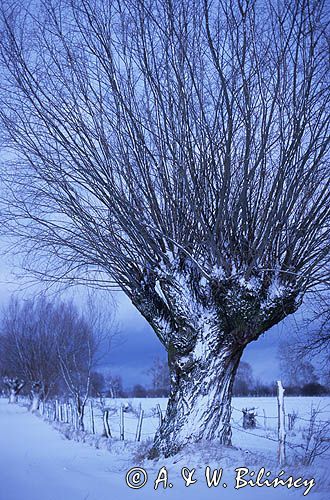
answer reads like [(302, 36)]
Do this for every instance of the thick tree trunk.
[(80, 421), (13, 396), (80, 411), (205, 326), (200, 401), (14, 386), (35, 402), (36, 392)]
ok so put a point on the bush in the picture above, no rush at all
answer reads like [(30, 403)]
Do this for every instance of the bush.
[(313, 389)]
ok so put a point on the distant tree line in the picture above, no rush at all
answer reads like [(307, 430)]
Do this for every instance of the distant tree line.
[(305, 383), (49, 349), (246, 384), (299, 374)]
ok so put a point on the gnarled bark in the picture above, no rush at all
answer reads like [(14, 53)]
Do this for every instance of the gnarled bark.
[(14, 386), (36, 392), (200, 401), (80, 411), (205, 336)]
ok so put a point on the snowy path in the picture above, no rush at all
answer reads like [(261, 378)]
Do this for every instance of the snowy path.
[(38, 463)]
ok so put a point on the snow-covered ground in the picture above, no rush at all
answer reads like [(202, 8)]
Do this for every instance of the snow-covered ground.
[(263, 438), (266, 409), (38, 463)]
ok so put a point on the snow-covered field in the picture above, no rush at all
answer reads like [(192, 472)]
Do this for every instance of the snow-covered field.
[(38, 463), (263, 438)]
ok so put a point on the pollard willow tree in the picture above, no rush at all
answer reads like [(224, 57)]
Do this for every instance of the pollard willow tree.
[(14, 386), (179, 148), (28, 348)]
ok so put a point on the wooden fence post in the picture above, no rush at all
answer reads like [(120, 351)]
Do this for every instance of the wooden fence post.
[(281, 424), (65, 413), (68, 412), (75, 418), (292, 419), (106, 426), (160, 415), (91, 417), (72, 413), (139, 426), (121, 424), (265, 418)]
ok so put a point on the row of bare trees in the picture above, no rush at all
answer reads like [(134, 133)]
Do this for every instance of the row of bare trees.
[(52, 348), (298, 373)]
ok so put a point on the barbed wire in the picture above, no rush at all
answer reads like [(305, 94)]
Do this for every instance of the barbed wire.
[(50, 406), (287, 415), (288, 443), (254, 434), (316, 420), (261, 416)]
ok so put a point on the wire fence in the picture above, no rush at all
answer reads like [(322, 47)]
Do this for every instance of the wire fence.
[(110, 420), (114, 419), (314, 436)]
